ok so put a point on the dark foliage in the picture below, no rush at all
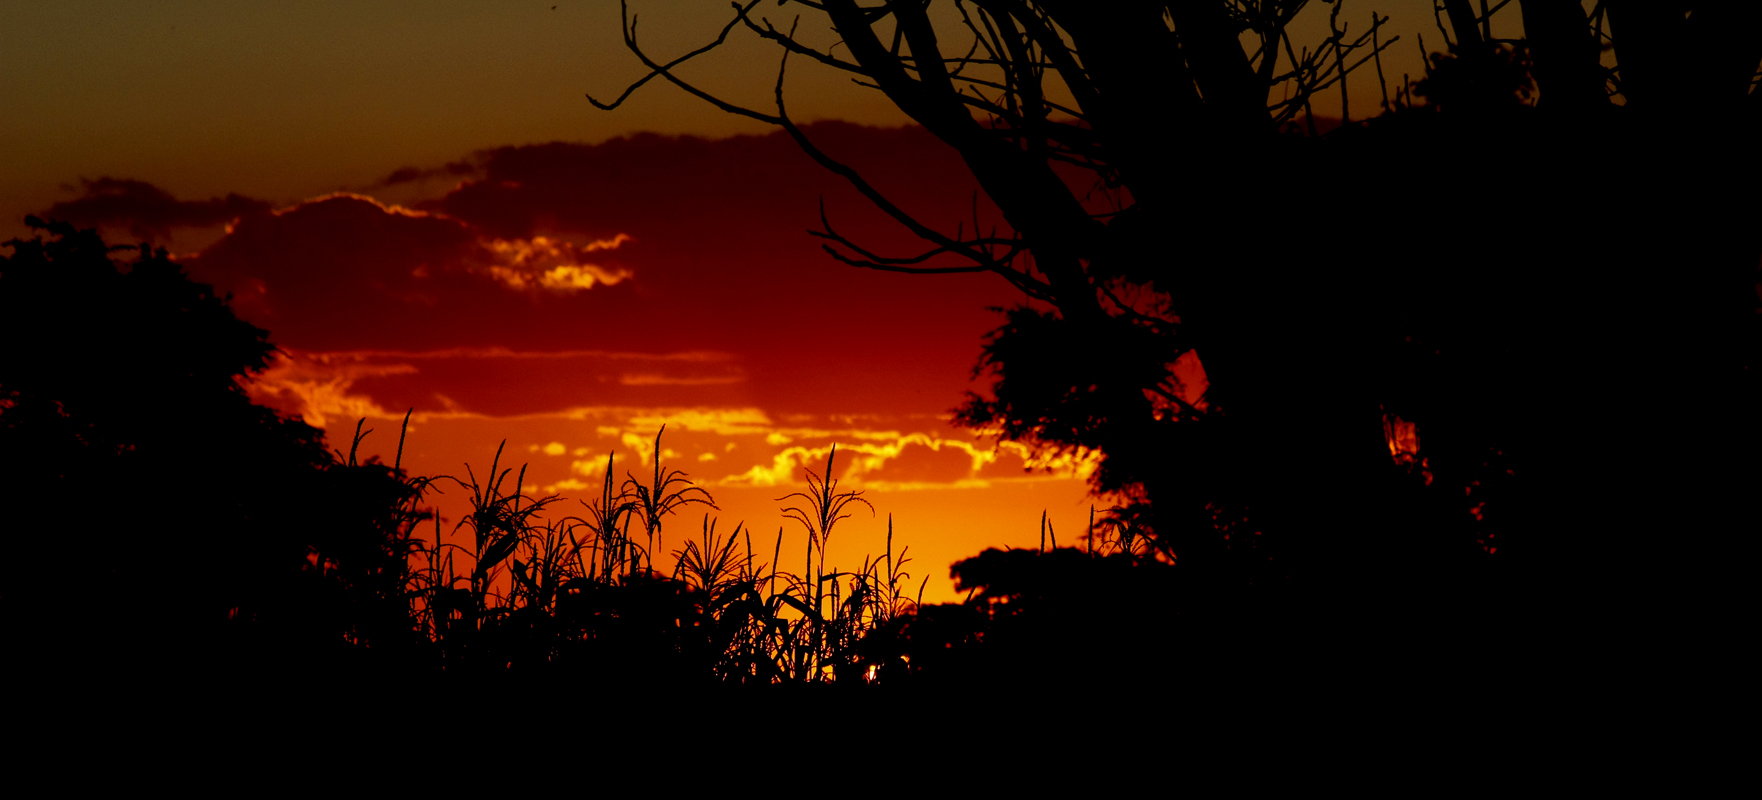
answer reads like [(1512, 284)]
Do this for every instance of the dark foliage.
[(1488, 80), (1035, 619), (1425, 334), (160, 521)]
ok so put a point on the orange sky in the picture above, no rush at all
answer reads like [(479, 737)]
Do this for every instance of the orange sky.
[(373, 183)]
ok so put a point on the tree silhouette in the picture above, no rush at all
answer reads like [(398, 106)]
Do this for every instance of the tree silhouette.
[(1422, 335), (160, 521)]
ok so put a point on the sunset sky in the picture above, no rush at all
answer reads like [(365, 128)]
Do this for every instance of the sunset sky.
[(421, 206)]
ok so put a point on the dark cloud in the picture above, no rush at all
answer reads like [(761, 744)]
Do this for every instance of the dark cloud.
[(146, 211), (456, 169), (720, 241), (644, 244), (627, 182), (346, 272)]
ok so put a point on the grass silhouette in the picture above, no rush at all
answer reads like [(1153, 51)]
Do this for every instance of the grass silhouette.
[(518, 588)]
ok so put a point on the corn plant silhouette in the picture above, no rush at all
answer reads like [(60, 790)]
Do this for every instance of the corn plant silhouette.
[(527, 593), (658, 498), (609, 545), (368, 575), (825, 507), (831, 635)]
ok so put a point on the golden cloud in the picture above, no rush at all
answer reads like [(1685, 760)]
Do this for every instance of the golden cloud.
[(653, 379), (389, 208), (644, 447), (320, 386), (554, 265), (721, 421), (862, 462), (591, 467), (875, 456), (566, 485), (315, 387)]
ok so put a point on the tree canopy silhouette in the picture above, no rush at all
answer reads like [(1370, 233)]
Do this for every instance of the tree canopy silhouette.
[(159, 517), (1433, 341)]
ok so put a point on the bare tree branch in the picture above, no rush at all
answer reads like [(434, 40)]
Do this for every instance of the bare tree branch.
[(628, 27)]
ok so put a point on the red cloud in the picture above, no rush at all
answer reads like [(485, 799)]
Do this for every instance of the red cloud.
[(499, 382), (346, 272), (646, 244)]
